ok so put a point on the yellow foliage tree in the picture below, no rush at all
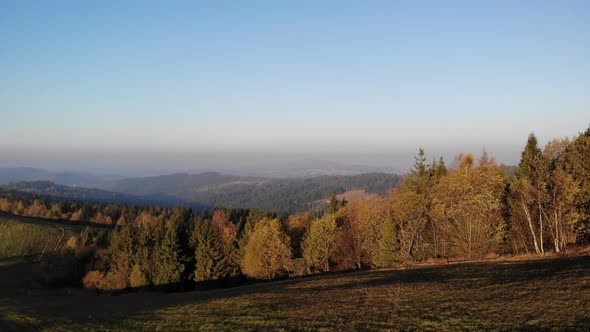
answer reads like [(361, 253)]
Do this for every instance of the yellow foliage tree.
[(358, 238), (267, 253), (470, 201), (319, 243), (410, 214)]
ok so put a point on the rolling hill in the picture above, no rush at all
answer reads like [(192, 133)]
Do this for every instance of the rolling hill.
[(277, 195), (27, 174), (61, 192)]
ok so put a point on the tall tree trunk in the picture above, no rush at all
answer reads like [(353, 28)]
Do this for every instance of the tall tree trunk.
[(541, 227), (556, 239), (528, 217)]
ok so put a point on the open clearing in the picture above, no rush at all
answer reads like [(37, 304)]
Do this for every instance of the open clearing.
[(21, 236), (526, 294)]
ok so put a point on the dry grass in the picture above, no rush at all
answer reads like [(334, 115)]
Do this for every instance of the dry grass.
[(19, 237), (551, 293)]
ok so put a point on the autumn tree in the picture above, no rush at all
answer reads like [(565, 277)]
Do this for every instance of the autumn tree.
[(561, 211), (410, 215), (559, 208), (267, 252), (469, 201), (319, 243), (430, 241), (36, 209), (297, 225), (360, 231), (527, 194), (576, 162)]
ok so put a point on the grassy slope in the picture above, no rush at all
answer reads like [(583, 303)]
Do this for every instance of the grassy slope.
[(24, 236), (534, 294)]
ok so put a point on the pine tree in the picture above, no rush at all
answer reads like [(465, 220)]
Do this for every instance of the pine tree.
[(333, 204), (167, 260), (420, 164), (441, 169), (215, 259), (421, 174)]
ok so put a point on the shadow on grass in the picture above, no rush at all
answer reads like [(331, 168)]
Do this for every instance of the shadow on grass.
[(26, 306)]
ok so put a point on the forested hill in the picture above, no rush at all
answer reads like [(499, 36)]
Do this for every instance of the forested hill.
[(50, 190), (277, 195), (210, 190)]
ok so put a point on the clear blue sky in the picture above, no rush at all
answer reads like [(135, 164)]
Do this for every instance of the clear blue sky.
[(342, 77)]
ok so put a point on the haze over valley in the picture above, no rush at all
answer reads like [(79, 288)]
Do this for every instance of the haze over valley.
[(294, 165)]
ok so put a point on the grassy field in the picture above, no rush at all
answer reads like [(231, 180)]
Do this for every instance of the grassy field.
[(21, 236), (552, 293)]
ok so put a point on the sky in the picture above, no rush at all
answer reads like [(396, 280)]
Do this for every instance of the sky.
[(186, 85)]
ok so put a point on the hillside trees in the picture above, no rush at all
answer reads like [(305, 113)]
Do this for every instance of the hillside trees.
[(432, 240), (146, 252), (466, 211), (359, 232), (547, 194), (168, 265), (469, 200), (575, 161), (216, 254)]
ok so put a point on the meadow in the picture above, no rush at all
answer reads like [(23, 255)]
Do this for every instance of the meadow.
[(523, 294), (23, 236)]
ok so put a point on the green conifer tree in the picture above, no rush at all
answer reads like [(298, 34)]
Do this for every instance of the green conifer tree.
[(388, 254), (215, 259), (168, 265)]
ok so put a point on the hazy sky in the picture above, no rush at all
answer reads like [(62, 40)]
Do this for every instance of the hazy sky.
[(346, 80)]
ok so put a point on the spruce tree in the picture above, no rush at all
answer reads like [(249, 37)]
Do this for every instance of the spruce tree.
[(167, 260), (215, 259), (388, 254), (333, 204)]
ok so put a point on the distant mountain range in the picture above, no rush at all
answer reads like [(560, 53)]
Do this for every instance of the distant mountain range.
[(16, 174), (271, 194), (284, 169), (51, 190), (208, 189)]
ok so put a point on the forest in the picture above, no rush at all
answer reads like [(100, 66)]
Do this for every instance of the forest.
[(281, 195), (205, 191), (471, 209)]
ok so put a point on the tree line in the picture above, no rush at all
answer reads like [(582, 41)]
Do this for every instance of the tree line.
[(470, 210)]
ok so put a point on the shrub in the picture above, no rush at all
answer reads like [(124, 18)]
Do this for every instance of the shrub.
[(93, 280)]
